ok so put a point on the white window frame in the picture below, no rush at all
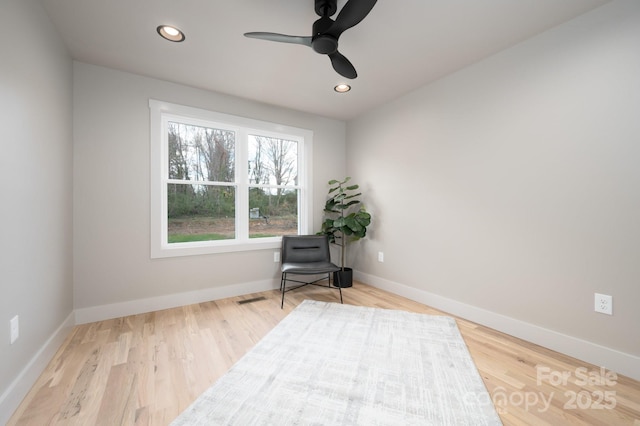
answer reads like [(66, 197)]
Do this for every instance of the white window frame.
[(160, 114)]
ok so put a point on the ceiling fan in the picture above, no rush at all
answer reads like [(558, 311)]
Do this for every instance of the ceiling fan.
[(326, 31)]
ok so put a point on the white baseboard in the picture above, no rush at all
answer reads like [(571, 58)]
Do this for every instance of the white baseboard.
[(18, 389), (140, 306), (620, 362)]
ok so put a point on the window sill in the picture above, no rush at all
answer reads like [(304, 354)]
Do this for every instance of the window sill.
[(193, 249)]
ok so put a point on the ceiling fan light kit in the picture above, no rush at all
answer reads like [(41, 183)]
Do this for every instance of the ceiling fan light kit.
[(326, 32)]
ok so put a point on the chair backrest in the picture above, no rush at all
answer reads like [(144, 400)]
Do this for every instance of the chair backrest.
[(305, 248)]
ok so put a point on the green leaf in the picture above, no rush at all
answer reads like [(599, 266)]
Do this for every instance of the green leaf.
[(328, 223), (363, 218), (330, 203)]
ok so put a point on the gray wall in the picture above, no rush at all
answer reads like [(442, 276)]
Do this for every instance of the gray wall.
[(35, 183), (111, 189), (513, 185)]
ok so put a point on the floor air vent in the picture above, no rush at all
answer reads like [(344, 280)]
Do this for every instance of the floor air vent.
[(255, 299)]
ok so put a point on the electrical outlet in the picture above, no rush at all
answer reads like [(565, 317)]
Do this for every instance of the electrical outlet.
[(276, 256), (380, 256), (604, 303), (14, 326)]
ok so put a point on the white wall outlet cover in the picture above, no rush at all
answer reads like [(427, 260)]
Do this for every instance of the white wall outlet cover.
[(603, 303)]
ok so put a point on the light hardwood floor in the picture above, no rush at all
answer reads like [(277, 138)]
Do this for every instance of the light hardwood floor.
[(145, 369)]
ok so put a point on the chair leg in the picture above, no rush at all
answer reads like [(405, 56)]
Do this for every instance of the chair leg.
[(339, 287), (283, 285)]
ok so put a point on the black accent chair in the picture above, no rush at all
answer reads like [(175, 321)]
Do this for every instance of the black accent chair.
[(306, 255)]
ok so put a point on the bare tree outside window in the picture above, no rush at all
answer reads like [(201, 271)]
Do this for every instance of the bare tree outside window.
[(273, 173), (200, 159)]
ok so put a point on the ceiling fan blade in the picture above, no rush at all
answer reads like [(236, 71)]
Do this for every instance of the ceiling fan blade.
[(342, 65), (282, 38), (351, 14)]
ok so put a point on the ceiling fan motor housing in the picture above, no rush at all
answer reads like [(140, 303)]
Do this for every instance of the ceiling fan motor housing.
[(321, 42)]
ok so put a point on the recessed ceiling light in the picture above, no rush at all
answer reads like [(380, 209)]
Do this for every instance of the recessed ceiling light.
[(170, 33), (342, 88)]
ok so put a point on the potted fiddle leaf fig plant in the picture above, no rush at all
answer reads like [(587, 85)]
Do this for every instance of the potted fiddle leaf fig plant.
[(345, 220)]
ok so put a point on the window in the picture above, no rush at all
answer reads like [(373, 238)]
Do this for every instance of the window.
[(223, 183)]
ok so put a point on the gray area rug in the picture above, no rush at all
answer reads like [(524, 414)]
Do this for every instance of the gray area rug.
[(332, 364)]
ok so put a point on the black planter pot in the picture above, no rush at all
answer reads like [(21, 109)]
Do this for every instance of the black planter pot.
[(343, 278)]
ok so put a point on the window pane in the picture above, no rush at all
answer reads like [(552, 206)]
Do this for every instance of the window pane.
[(272, 212), (272, 161), (201, 153), (200, 213)]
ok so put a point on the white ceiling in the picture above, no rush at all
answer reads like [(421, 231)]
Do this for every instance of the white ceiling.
[(400, 46)]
